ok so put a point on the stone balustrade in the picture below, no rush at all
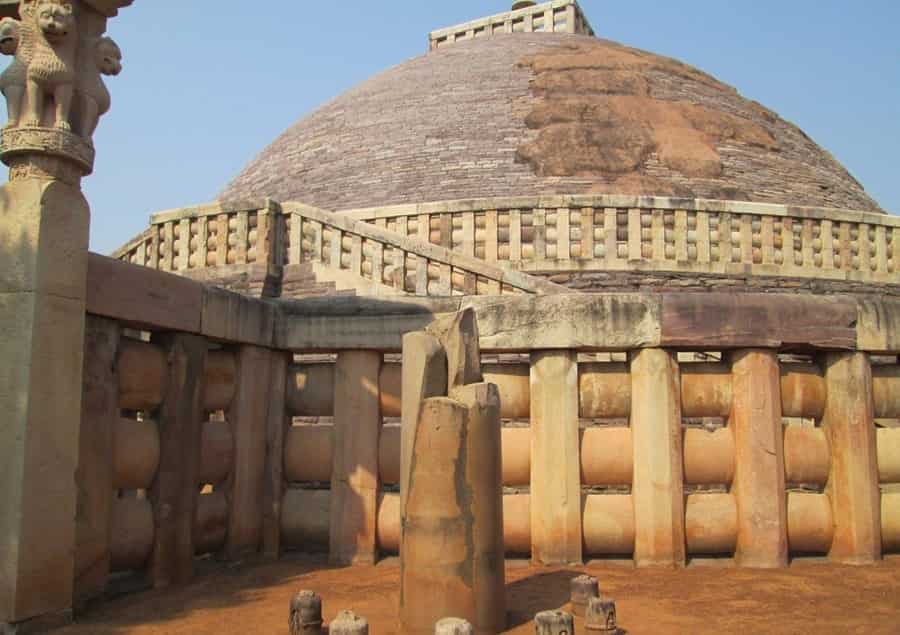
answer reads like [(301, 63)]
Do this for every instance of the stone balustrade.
[(648, 234), (558, 16), (564, 238), (760, 448)]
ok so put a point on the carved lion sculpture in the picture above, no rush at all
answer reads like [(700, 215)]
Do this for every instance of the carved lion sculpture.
[(51, 69), (93, 95), (12, 81)]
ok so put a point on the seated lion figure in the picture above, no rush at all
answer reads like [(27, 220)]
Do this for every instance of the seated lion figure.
[(50, 72)]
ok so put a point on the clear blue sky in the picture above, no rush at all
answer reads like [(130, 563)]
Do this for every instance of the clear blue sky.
[(207, 84)]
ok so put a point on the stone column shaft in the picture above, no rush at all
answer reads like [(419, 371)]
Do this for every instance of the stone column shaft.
[(658, 484), (556, 536), (354, 477), (853, 483), (759, 460)]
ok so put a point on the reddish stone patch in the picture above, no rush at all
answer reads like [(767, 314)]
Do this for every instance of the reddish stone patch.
[(598, 113)]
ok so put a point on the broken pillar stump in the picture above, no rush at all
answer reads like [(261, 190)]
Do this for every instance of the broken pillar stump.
[(453, 626), (600, 616), (583, 588), (451, 552), (306, 614), (554, 623), (348, 623)]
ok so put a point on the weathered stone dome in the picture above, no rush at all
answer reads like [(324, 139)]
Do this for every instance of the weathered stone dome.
[(536, 114)]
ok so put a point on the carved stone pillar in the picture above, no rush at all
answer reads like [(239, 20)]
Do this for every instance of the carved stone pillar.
[(54, 97)]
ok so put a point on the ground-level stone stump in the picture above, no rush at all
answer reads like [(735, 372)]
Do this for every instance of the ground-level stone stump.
[(348, 623), (600, 616), (583, 588), (453, 626), (554, 623), (306, 614)]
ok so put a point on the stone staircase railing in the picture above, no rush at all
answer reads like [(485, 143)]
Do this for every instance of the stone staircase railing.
[(266, 233), (407, 265)]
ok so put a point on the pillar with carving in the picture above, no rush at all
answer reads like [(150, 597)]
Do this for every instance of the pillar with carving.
[(55, 97)]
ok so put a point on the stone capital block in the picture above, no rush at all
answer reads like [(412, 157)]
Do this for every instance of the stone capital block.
[(44, 238)]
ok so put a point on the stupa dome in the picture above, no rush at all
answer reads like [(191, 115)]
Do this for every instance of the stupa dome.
[(538, 114)]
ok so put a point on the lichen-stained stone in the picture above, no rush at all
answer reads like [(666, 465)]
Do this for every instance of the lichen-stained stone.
[(612, 322)]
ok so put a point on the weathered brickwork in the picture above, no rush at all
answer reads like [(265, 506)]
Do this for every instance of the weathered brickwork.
[(488, 117)]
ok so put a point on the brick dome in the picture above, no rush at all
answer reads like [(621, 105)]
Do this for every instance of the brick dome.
[(536, 114)]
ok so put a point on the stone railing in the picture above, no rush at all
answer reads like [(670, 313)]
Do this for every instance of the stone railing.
[(558, 16), (210, 235), (200, 402), (626, 233), (548, 236), (388, 258), (671, 458), (265, 233)]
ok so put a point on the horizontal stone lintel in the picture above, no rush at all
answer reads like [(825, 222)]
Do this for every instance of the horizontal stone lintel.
[(157, 301)]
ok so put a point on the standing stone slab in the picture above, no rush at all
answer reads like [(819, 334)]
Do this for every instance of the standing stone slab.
[(853, 482), (423, 375), (658, 483), (174, 492), (248, 416), (556, 536), (354, 476), (43, 272), (759, 460), (99, 414)]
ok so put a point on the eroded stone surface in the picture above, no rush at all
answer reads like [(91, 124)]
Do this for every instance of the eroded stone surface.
[(539, 113)]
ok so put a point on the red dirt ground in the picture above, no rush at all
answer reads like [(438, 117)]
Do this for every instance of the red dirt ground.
[(253, 598)]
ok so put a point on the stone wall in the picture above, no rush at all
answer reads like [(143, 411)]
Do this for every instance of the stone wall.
[(265, 405)]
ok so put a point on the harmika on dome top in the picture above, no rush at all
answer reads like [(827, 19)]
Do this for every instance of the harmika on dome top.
[(544, 113)]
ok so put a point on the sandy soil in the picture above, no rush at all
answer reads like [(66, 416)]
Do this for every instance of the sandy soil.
[(253, 598)]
